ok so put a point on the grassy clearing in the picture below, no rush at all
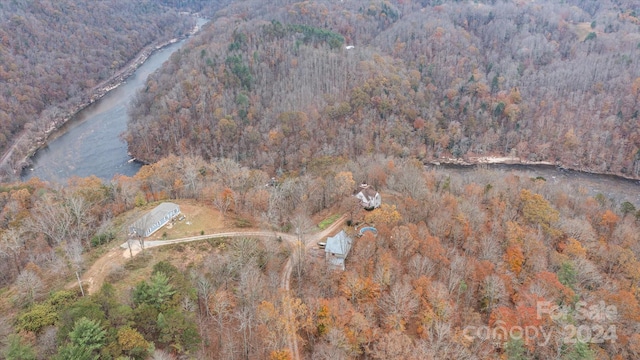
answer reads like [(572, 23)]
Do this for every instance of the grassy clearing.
[(183, 256), (582, 30), (198, 219), (328, 221)]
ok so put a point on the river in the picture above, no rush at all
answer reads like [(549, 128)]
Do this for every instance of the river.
[(615, 189), (90, 143)]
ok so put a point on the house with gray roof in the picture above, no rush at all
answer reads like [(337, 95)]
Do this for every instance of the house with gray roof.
[(154, 220), (337, 249)]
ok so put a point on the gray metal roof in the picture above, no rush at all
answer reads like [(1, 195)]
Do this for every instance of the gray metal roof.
[(340, 244), (155, 215)]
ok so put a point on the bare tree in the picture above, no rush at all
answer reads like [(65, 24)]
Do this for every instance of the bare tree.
[(47, 342), (159, 354), (420, 265), (144, 223), (493, 292), (339, 344), (489, 248), (587, 274), (403, 242), (325, 351), (29, 286), (301, 224), (351, 205), (220, 305), (73, 250), (457, 271), (398, 305), (50, 218), (410, 181), (11, 244), (249, 292), (193, 169), (204, 288), (394, 345), (79, 208)]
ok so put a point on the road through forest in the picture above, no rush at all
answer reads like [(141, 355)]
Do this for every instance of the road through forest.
[(95, 275)]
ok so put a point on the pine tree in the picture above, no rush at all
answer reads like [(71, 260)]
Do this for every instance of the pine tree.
[(16, 350), (87, 337), (157, 293)]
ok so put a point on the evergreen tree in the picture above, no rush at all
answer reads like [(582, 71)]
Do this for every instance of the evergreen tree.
[(515, 349), (157, 293), (87, 337), (16, 350)]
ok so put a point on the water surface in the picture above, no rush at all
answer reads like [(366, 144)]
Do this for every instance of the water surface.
[(91, 143)]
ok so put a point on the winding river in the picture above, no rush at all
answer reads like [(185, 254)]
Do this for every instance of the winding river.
[(90, 143)]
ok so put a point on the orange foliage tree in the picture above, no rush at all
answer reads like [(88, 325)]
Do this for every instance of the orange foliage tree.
[(514, 258), (385, 214), (608, 221)]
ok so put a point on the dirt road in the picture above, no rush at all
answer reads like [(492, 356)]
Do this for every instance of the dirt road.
[(285, 282), (96, 274)]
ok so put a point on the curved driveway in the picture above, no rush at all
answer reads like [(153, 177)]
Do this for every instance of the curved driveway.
[(285, 280)]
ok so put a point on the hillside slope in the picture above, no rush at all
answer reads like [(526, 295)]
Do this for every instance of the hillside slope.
[(271, 85)]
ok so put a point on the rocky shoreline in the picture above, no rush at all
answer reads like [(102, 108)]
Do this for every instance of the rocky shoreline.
[(113, 83), (19, 156), (496, 160)]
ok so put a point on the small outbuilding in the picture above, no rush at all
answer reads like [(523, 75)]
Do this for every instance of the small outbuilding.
[(154, 219), (369, 197), (337, 248)]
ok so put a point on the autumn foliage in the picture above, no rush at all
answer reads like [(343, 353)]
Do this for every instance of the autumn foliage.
[(268, 121)]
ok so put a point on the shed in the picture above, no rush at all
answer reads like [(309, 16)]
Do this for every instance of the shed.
[(337, 249), (154, 219)]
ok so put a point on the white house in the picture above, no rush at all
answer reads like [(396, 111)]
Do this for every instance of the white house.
[(369, 198), (337, 249), (154, 219)]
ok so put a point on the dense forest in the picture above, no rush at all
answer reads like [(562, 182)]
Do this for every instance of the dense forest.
[(453, 254), (271, 84), (57, 55), (267, 120)]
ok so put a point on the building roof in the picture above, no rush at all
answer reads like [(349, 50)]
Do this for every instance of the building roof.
[(155, 215), (340, 244), (368, 196), (368, 191)]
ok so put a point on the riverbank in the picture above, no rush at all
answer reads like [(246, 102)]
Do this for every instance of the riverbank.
[(50, 125), (514, 161), (487, 160)]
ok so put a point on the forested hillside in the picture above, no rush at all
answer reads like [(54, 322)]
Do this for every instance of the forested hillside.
[(268, 119), (55, 54), (270, 84), (461, 266)]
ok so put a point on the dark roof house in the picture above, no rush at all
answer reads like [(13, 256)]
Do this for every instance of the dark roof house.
[(369, 197), (154, 219)]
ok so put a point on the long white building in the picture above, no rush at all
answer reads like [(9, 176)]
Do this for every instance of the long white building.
[(154, 219)]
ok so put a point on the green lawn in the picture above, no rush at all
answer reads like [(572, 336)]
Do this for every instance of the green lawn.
[(328, 221)]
